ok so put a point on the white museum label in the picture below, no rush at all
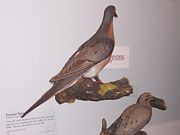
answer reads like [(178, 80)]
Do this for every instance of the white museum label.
[(42, 123), (119, 58)]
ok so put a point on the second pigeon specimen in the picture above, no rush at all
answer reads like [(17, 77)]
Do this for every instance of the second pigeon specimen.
[(136, 116), (87, 61)]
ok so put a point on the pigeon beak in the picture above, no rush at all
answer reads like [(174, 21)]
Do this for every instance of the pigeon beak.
[(115, 15), (158, 103)]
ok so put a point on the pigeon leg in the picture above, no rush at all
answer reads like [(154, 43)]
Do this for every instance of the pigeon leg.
[(98, 79)]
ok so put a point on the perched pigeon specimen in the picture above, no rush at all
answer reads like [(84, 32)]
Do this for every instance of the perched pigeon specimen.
[(136, 116), (155, 103), (87, 61)]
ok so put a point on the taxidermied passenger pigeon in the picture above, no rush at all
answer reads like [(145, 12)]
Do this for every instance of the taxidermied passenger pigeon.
[(87, 61)]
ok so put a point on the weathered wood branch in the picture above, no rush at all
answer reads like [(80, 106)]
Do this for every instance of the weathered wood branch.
[(88, 90)]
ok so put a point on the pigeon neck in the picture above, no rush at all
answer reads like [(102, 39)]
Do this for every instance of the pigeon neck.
[(106, 28), (144, 103)]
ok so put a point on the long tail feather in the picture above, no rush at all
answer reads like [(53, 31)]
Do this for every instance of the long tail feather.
[(43, 99)]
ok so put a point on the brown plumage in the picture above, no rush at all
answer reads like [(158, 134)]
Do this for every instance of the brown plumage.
[(136, 116), (87, 61)]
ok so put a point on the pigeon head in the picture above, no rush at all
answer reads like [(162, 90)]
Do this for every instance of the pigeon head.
[(149, 100), (110, 11), (145, 99)]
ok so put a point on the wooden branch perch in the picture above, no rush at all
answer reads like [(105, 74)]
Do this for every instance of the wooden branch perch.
[(86, 89)]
